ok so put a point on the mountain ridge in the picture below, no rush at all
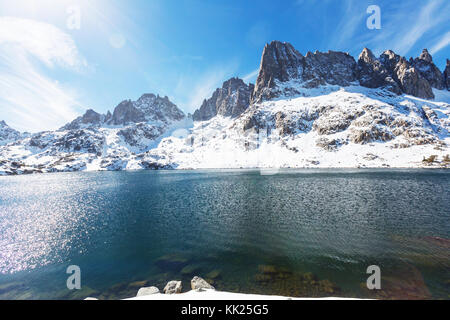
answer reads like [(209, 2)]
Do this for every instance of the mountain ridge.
[(321, 109)]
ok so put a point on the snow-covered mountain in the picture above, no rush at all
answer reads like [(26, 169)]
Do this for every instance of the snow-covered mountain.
[(8, 134), (318, 110), (95, 141)]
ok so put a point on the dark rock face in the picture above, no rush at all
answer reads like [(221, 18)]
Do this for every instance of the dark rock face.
[(125, 113), (281, 63), (80, 141), (284, 72), (229, 101), (89, 118), (133, 134), (373, 74), (406, 76), (332, 67), (447, 75), (148, 107), (394, 72), (427, 69), (158, 108)]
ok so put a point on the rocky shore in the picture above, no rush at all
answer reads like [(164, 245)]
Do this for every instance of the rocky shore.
[(202, 290)]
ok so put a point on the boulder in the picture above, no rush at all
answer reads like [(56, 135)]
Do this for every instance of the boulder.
[(198, 283), (173, 287), (146, 291)]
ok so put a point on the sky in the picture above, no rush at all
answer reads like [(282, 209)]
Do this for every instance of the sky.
[(59, 58)]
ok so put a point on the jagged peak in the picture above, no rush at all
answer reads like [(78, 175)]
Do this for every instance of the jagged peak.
[(425, 55), (366, 54)]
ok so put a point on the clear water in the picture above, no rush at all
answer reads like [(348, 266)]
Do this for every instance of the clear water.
[(261, 233)]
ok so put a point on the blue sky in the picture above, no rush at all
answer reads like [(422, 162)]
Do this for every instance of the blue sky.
[(51, 72)]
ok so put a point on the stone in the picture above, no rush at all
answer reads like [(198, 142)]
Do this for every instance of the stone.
[(198, 283), (173, 287), (146, 291)]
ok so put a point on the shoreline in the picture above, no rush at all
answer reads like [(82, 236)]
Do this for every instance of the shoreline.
[(213, 295), (262, 169)]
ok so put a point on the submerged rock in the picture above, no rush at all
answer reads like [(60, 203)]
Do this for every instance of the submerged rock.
[(198, 283), (215, 274), (190, 269), (173, 287), (172, 261)]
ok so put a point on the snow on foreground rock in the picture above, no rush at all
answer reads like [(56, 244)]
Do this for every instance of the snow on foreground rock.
[(335, 127), (210, 294), (328, 126)]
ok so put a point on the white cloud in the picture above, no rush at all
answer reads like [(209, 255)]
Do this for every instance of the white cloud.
[(443, 42), (427, 19), (251, 77), (30, 100), (191, 91), (404, 28)]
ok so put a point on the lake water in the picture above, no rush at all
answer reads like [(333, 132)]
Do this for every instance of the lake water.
[(297, 233)]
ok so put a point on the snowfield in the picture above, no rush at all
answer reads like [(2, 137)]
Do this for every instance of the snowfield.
[(345, 127), (325, 127)]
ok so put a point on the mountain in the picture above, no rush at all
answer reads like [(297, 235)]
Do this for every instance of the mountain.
[(229, 101), (8, 134), (321, 109), (112, 141)]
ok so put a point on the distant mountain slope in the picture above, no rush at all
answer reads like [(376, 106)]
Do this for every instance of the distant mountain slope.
[(95, 141), (8, 134), (318, 110)]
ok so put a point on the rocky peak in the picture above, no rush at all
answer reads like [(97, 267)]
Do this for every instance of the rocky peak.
[(284, 70), (90, 118), (280, 62), (231, 100), (426, 56), (409, 79), (125, 113), (373, 74), (157, 108), (148, 107), (428, 70), (332, 67), (8, 134), (367, 56)]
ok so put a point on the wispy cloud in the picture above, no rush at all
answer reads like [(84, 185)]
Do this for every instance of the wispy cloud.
[(191, 91), (441, 44), (251, 77), (351, 20), (403, 28), (30, 100)]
